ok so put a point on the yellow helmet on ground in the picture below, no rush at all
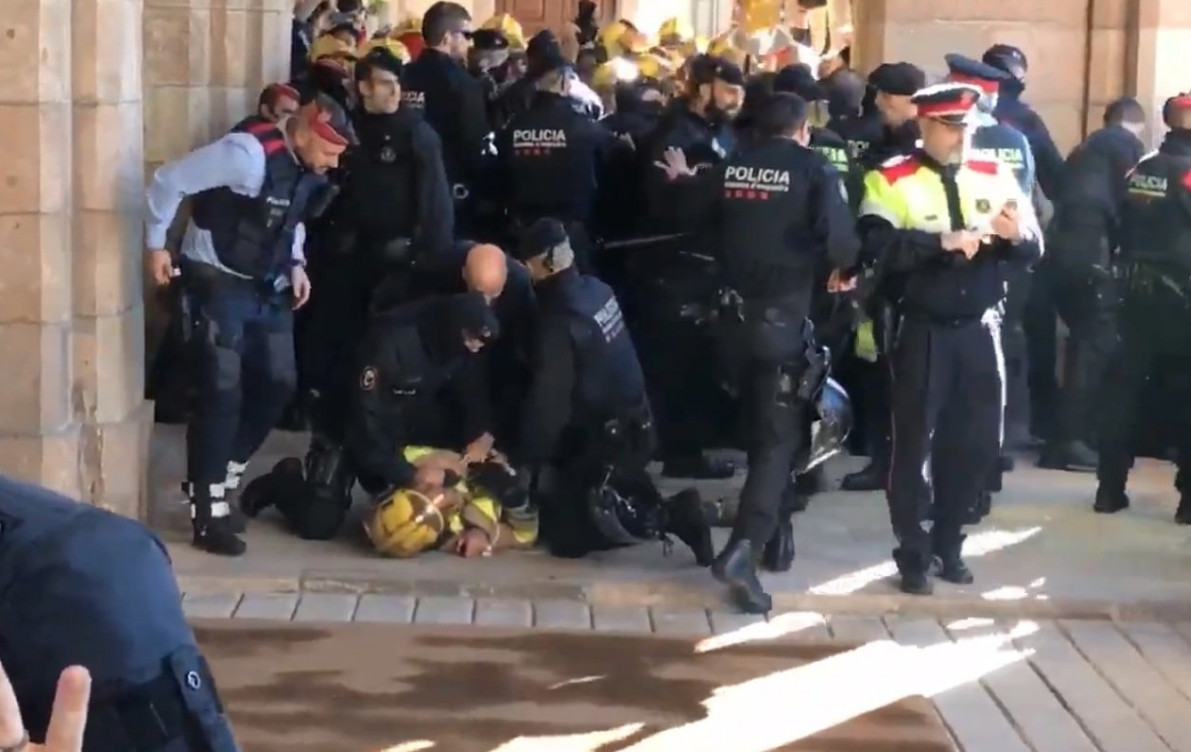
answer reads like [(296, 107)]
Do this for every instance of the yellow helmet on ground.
[(509, 27), (406, 523)]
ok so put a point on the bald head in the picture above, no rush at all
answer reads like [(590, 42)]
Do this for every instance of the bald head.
[(485, 270)]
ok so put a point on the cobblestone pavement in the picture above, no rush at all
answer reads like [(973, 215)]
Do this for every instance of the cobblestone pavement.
[(999, 686)]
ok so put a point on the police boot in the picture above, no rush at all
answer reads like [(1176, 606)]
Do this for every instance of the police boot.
[(915, 573), (210, 517), (264, 491), (1110, 499), (948, 563), (810, 483), (980, 508), (235, 518), (1074, 456), (686, 519), (736, 568), (871, 478), (778, 554)]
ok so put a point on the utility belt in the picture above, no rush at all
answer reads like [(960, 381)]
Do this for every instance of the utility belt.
[(178, 711)]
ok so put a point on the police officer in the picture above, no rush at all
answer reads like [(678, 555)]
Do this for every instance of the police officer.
[(946, 230), (995, 142), (780, 212), (1155, 316), (243, 265), (893, 86), (588, 416), (1080, 276), (552, 157), (798, 80), (412, 381), (1010, 110), (859, 125), (452, 101), (85, 587), (699, 125)]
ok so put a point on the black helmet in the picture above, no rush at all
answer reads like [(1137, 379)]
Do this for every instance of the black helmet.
[(829, 428), (1008, 58)]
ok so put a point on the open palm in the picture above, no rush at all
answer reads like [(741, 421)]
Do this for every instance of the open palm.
[(67, 722)]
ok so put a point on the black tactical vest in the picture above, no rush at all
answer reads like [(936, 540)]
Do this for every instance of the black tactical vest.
[(1006, 145), (1157, 223), (608, 378), (254, 236)]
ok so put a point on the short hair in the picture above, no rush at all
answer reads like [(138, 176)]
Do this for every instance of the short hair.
[(551, 80), (781, 114), (441, 19), (1124, 110), (272, 93), (380, 58)]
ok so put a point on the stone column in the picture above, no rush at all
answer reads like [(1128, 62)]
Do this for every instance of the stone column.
[(1109, 57), (1161, 36), (38, 436), (109, 328)]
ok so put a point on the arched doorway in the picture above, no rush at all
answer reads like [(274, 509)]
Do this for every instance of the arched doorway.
[(535, 15)]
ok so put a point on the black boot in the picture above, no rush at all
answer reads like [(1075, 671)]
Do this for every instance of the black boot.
[(264, 491), (686, 520), (915, 573), (1110, 499), (778, 554), (697, 467), (1073, 456), (736, 568), (213, 531), (980, 508), (237, 521), (949, 563), (871, 478), (810, 482)]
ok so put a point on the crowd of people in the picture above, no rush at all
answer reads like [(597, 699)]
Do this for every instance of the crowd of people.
[(498, 276)]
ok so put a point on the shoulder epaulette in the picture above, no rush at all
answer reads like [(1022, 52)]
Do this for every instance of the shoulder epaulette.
[(899, 167)]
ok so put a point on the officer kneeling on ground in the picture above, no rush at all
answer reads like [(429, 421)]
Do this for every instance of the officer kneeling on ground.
[(480, 509), (413, 381), (243, 268), (588, 415), (777, 212), (85, 587)]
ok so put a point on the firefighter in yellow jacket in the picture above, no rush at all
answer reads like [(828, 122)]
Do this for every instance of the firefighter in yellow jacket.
[(945, 232), (465, 516)]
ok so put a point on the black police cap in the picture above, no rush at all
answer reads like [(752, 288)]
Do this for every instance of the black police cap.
[(540, 237), (902, 79), (489, 40), (542, 42), (798, 79), (470, 314)]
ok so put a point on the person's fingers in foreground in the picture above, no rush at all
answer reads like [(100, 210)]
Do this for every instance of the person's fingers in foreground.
[(69, 719), (12, 726)]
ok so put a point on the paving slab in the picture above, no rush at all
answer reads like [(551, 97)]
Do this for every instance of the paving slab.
[(444, 610), (326, 607), (680, 622), (272, 606), (391, 609), (210, 605), (1041, 554), (503, 612), (561, 614)]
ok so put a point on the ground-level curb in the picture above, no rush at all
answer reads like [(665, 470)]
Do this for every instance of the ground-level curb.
[(686, 595)]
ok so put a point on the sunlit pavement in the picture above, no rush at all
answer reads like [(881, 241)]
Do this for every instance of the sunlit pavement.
[(1074, 637)]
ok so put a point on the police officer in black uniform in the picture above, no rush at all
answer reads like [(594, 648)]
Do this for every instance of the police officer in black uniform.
[(778, 212), (861, 125), (85, 587), (1078, 278), (892, 86), (587, 416), (798, 80), (1010, 110), (243, 265), (1155, 319), (551, 157), (452, 101), (413, 380)]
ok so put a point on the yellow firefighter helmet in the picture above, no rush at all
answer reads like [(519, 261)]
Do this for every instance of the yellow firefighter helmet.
[(509, 28), (392, 45), (407, 25), (673, 31), (405, 523), (333, 47)]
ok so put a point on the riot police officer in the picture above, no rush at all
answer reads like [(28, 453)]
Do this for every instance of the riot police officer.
[(1010, 110), (588, 417), (1155, 319), (798, 80), (552, 157), (780, 212), (452, 101), (412, 381), (85, 587), (945, 231), (1079, 279), (243, 265)]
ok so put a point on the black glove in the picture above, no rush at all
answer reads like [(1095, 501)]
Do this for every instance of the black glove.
[(500, 482)]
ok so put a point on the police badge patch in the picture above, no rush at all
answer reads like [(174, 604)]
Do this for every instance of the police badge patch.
[(368, 379), (983, 205), (388, 155)]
